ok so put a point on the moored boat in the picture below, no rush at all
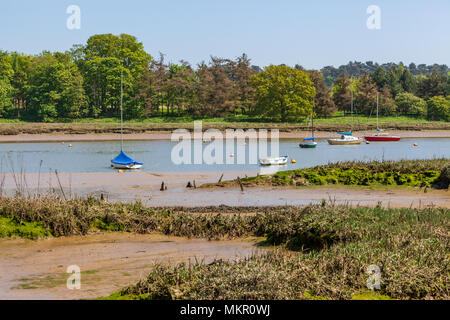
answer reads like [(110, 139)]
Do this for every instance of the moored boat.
[(381, 135), (123, 161), (309, 142), (345, 140), (271, 161)]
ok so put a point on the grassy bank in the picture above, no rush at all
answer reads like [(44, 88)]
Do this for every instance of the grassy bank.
[(412, 173), (110, 125)]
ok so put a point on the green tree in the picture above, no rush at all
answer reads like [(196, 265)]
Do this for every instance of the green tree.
[(323, 105), (55, 88), (6, 88), (409, 104), (432, 85), (341, 93), (438, 108), (283, 93), (365, 95), (21, 65), (102, 61)]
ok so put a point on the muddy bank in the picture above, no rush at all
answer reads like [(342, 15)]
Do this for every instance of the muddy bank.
[(166, 135), (145, 186), (108, 262)]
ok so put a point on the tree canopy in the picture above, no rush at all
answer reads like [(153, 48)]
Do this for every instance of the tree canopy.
[(283, 93), (85, 82)]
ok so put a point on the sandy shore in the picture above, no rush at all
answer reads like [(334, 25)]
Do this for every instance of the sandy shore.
[(164, 135), (145, 186), (108, 262)]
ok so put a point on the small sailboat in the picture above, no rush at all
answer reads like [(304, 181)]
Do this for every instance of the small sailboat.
[(273, 161), (346, 138), (123, 161), (381, 135), (309, 142)]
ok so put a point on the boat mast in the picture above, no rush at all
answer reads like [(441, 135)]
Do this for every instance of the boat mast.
[(378, 95), (351, 90), (312, 122), (121, 111)]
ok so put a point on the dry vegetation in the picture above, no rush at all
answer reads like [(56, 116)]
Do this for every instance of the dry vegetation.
[(323, 251)]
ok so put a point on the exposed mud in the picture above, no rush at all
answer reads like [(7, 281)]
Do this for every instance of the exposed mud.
[(145, 186), (108, 262)]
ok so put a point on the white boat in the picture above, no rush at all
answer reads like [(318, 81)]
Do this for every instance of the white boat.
[(345, 140), (273, 161)]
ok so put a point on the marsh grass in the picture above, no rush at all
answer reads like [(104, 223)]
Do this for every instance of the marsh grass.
[(322, 251), (335, 246), (412, 173)]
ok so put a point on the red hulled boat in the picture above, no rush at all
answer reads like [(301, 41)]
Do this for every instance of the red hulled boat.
[(381, 135)]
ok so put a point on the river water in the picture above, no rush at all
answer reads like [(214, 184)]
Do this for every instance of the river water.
[(156, 155)]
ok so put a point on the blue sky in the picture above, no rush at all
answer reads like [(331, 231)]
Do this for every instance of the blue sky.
[(311, 33)]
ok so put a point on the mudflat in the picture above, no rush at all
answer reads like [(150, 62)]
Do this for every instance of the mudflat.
[(108, 262), (145, 186)]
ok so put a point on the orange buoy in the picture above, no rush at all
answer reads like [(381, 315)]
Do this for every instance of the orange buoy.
[(293, 161), (415, 144)]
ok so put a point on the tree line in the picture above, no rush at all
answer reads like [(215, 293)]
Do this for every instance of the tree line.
[(85, 82)]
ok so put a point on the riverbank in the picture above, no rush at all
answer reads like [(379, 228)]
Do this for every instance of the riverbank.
[(166, 135), (145, 186), (168, 124)]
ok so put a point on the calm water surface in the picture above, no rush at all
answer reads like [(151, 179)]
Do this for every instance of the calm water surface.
[(156, 155)]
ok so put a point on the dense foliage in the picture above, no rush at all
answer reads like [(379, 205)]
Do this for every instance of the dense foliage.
[(85, 83)]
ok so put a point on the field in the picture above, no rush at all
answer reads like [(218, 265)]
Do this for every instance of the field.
[(316, 252)]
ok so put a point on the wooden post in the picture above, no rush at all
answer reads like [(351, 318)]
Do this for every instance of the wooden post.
[(221, 177), (240, 184), (163, 187)]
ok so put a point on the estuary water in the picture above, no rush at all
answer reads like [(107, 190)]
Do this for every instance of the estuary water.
[(156, 155)]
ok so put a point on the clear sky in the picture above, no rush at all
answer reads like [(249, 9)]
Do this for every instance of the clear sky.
[(313, 33)]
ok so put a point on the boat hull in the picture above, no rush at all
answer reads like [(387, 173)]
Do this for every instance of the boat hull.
[(308, 145), (387, 138), (278, 161), (126, 166), (341, 142)]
